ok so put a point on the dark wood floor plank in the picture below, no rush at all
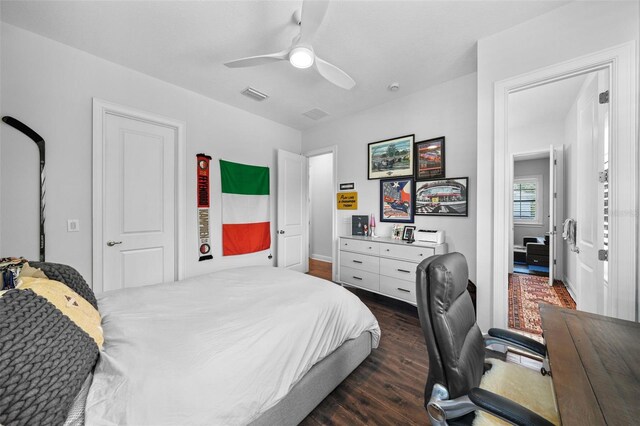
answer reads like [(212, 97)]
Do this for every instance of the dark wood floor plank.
[(320, 269), (388, 387)]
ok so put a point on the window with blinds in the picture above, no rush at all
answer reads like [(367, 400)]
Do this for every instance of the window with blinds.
[(526, 200)]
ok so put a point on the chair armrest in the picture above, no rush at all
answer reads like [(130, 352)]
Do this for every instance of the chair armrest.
[(518, 340), (506, 409)]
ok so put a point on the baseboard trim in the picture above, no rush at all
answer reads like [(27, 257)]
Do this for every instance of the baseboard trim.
[(570, 288), (321, 258)]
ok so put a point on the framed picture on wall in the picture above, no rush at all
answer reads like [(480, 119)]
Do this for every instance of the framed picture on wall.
[(396, 200), (442, 197), (390, 158), (429, 159)]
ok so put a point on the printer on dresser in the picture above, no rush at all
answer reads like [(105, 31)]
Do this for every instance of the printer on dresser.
[(384, 265)]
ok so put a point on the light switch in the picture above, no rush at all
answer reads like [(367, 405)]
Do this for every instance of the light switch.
[(73, 225)]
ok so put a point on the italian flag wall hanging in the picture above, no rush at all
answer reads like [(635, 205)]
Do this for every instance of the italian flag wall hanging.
[(245, 208), (204, 236)]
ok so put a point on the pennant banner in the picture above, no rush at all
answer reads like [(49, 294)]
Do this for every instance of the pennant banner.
[(245, 208), (204, 234)]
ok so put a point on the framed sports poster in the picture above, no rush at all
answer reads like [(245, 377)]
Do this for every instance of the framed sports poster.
[(429, 159), (442, 197), (396, 200), (391, 158)]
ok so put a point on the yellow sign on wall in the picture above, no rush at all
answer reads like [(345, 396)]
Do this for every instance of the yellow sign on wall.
[(347, 200)]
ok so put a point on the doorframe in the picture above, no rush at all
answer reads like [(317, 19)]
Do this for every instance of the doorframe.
[(621, 62), (559, 183), (100, 110), (333, 149)]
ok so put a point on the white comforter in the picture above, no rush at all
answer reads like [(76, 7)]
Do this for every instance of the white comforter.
[(219, 349)]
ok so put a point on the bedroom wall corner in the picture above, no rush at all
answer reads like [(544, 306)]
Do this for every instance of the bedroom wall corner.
[(50, 86), (447, 109), (522, 49)]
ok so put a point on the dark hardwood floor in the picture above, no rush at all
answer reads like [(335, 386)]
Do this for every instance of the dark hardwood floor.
[(388, 387), (320, 269)]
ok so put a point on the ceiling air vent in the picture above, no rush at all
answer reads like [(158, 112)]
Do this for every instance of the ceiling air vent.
[(316, 114), (254, 94)]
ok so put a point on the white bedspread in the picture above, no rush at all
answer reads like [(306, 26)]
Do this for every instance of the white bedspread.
[(218, 349)]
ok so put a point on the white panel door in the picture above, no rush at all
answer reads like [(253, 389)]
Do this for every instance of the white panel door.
[(592, 286), (139, 203), (292, 230)]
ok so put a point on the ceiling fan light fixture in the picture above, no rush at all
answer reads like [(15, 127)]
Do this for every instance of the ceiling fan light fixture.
[(301, 57)]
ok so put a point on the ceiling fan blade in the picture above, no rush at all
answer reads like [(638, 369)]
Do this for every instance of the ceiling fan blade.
[(252, 61), (313, 13), (334, 74)]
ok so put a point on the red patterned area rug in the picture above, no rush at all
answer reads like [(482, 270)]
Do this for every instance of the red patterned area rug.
[(525, 292)]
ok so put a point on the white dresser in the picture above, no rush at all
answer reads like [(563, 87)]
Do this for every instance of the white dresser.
[(383, 265)]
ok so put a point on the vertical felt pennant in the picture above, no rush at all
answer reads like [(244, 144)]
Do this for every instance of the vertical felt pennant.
[(204, 203)]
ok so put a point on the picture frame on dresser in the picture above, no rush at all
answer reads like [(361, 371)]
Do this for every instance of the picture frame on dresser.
[(396, 200), (442, 197), (407, 233), (429, 159), (390, 158)]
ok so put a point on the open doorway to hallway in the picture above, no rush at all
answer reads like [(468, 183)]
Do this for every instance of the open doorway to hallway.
[(558, 141), (321, 211)]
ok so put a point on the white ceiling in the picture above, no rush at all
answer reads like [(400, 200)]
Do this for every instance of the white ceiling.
[(416, 43), (548, 103)]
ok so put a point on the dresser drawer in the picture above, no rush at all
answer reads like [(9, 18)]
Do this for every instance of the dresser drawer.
[(398, 269), (360, 246), (406, 252), (400, 289), (359, 261), (360, 278)]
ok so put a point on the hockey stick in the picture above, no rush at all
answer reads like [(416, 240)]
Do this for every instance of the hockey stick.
[(17, 124)]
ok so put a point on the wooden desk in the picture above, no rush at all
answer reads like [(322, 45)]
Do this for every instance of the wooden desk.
[(595, 366)]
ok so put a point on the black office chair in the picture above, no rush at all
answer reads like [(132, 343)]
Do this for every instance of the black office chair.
[(456, 348)]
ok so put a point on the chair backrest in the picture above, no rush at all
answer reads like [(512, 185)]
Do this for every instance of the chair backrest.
[(454, 340)]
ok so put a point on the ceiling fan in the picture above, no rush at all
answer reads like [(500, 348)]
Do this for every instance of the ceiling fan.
[(300, 54)]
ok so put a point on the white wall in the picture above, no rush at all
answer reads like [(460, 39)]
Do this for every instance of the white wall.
[(536, 136), (321, 206), (568, 32), (449, 110), (50, 87), (533, 168), (1, 60)]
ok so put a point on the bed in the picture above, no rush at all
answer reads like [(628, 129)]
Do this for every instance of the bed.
[(253, 345)]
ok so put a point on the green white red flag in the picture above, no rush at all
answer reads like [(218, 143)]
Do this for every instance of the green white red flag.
[(245, 208)]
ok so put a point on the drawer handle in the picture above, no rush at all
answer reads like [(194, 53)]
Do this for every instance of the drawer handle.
[(404, 270), (357, 261), (404, 289), (357, 278), (388, 250), (370, 248), (420, 254)]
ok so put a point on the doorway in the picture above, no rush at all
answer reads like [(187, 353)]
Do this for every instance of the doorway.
[(534, 217), (542, 125), (603, 199), (322, 207)]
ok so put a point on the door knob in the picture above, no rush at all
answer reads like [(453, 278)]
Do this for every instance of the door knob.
[(113, 243), (281, 232)]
